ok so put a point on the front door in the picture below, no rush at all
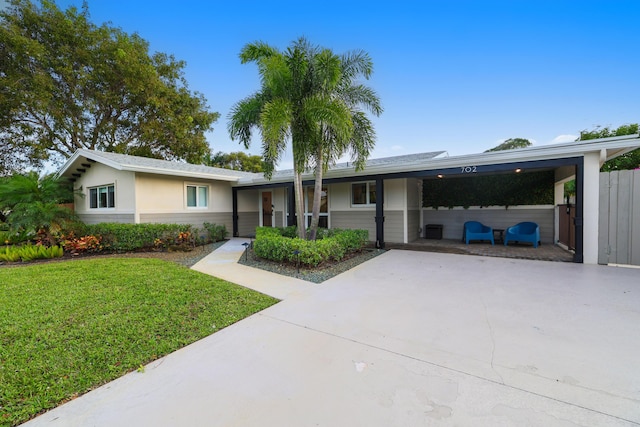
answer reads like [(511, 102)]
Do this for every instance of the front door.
[(267, 209)]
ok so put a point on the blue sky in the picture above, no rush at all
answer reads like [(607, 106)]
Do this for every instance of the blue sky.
[(452, 75)]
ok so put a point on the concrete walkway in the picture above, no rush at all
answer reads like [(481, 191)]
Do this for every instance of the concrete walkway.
[(405, 339)]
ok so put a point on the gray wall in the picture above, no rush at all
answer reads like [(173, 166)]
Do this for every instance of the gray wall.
[(619, 218), (97, 219), (366, 220), (413, 224), (247, 223), (453, 219)]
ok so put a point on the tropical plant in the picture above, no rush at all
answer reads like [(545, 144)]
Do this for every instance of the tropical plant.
[(296, 103), (33, 205), (344, 126), (67, 83)]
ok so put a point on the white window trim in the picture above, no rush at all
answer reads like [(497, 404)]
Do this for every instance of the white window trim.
[(361, 205), (197, 186), (97, 188)]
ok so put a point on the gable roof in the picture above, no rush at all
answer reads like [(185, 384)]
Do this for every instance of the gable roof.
[(125, 162)]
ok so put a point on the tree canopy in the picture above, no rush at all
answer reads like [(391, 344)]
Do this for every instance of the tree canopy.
[(67, 83), (511, 144), (239, 161), (630, 160)]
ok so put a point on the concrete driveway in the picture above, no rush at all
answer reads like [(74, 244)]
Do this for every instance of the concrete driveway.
[(406, 339)]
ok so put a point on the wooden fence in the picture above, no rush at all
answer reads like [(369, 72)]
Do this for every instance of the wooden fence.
[(619, 225)]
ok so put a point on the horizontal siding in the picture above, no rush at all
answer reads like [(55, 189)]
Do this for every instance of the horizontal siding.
[(453, 219), (355, 219), (366, 220), (278, 219), (247, 223), (196, 219), (394, 226), (97, 219), (413, 224)]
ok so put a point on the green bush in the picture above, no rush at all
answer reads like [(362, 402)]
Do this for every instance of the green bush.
[(216, 232), (271, 244), (9, 254), (290, 231), (132, 237), (30, 253)]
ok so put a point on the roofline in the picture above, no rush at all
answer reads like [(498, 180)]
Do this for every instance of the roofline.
[(613, 147), (144, 169)]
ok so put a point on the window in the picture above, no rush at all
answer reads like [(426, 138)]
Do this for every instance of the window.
[(197, 196), (363, 193), (102, 197)]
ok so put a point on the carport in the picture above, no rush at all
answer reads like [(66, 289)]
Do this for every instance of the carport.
[(579, 160)]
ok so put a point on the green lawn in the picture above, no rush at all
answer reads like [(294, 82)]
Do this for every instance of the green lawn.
[(68, 327)]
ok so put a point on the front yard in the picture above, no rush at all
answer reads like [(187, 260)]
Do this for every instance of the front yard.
[(68, 327)]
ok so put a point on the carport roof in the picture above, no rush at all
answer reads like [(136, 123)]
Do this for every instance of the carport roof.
[(607, 148)]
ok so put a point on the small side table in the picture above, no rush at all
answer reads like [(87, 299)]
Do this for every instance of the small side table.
[(498, 234)]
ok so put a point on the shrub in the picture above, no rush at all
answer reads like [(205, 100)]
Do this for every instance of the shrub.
[(131, 237), (270, 244), (9, 254), (30, 253), (216, 232), (76, 245)]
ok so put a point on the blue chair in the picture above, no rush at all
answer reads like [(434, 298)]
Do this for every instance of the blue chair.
[(474, 230), (523, 232)]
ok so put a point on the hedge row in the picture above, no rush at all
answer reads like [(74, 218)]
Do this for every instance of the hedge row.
[(276, 245), (115, 237)]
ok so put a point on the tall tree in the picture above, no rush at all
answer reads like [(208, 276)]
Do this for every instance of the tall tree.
[(346, 129), (238, 160), (288, 107), (511, 144), (66, 83), (630, 160)]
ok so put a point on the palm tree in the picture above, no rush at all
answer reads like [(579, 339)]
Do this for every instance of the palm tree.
[(292, 105), (32, 204), (348, 98)]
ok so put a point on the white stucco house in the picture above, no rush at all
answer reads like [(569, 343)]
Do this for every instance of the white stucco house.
[(385, 198)]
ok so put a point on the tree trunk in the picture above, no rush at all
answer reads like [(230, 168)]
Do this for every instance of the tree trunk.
[(299, 201), (317, 197)]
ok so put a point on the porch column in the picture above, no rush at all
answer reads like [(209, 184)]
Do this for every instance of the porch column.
[(380, 213), (235, 211), (578, 220), (591, 207), (291, 202)]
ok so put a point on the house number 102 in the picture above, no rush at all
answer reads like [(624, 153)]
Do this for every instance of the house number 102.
[(469, 169)]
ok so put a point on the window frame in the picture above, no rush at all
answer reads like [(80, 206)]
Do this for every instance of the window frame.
[(110, 194), (197, 187), (368, 202)]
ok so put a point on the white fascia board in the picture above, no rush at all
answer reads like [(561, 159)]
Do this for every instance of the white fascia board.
[(544, 152), (157, 171), (173, 172)]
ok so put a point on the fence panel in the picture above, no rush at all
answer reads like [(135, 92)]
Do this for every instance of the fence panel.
[(619, 234)]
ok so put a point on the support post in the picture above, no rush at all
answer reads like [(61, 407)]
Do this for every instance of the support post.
[(380, 213), (235, 211), (578, 221), (291, 218)]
